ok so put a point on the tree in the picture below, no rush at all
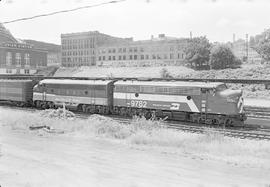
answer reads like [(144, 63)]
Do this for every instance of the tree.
[(261, 44), (197, 52), (222, 57), (263, 48)]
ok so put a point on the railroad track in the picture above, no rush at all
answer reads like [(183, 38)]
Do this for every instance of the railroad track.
[(257, 112), (243, 133)]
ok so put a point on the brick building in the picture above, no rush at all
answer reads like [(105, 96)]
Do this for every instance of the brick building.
[(158, 51), (80, 49), (17, 57)]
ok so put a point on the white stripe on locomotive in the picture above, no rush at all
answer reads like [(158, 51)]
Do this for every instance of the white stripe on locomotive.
[(154, 97)]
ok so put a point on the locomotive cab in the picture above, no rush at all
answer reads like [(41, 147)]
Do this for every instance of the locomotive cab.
[(225, 101)]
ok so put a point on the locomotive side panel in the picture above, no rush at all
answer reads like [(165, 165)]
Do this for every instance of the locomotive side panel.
[(155, 101), (160, 97), (73, 93)]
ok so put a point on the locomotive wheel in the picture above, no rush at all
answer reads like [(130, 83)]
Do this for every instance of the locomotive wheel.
[(215, 121), (228, 122), (147, 115), (38, 104), (122, 112), (84, 109)]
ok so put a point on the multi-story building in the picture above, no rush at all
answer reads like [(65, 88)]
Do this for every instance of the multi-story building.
[(54, 51), (154, 52), (17, 57), (244, 52), (80, 49)]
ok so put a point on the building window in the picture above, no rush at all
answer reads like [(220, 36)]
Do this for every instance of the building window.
[(120, 58), (120, 50), (18, 59), (135, 49), (124, 50), (135, 57), (146, 57), (103, 58), (8, 71), (153, 56), (110, 58), (130, 57), (113, 57), (142, 57), (142, 50), (130, 50), (171, 56), (26, 71), (124, 57), (9, 59), (99, 58), (27, 59)]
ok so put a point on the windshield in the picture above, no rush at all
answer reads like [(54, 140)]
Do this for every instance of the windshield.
[(221, 87)]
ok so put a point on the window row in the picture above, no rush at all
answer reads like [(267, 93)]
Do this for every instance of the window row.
[(18, 71), (78, 46), (78, 53), (78, 41), (18, 58), (78, 59), (141, 49), (142, 57)]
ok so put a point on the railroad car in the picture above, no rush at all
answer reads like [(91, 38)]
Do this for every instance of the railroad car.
[(93, 96), (211, 103), (18, 92)]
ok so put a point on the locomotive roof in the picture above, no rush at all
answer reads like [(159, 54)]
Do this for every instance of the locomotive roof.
[(14, 80), (172, 83), (69, 81)]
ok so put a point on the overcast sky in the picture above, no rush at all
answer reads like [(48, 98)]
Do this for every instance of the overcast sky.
[(217, 19)]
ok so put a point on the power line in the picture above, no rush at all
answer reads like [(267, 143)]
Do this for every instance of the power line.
[(62, 11)]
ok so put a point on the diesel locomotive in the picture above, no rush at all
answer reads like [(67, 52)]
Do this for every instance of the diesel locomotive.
[(198, 102)]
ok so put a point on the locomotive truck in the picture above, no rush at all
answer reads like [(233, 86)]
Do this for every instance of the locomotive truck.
[(199, 102)]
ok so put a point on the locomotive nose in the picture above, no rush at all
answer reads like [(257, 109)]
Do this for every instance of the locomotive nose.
[(234, 95)]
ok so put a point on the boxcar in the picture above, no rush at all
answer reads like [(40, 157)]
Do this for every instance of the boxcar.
[(17, 91), (85, 95)]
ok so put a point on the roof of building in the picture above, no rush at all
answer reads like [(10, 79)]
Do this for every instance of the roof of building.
[(5, 35)]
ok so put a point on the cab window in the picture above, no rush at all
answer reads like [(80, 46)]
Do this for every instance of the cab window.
[(221, 87)]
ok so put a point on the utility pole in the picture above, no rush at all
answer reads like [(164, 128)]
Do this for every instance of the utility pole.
[(247, 46), (190, 34)]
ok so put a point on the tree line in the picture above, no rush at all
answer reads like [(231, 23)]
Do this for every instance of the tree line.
[(201, 54)]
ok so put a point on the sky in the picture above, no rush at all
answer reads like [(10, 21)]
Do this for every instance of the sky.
[(215, 19)]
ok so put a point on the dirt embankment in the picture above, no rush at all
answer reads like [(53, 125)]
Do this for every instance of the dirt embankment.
[(251, 72)]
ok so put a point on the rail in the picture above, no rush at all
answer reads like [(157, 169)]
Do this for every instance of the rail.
[(236, 81)]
